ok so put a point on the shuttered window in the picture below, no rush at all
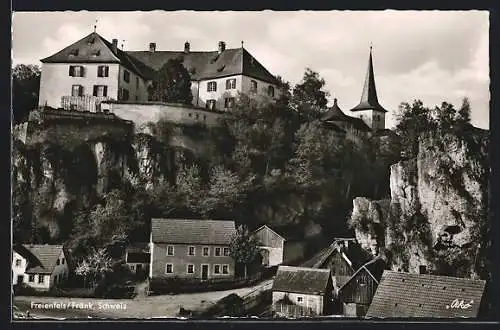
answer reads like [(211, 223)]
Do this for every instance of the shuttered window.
[(77, 90), (100, 90), (76, 71), (103, 71)]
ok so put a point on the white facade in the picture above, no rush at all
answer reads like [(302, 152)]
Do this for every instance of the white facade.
[(314, 302), (56, 82), (38, 281), (243, 84), (271, 256)]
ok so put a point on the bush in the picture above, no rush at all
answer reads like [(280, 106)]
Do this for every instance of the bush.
[(25, 290), (116, 291)]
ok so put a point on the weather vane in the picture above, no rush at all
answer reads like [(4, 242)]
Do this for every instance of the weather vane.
[(95, 26), (123, 41), (241, 43)]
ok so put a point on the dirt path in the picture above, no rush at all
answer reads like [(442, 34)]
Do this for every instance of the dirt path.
[(140, 307)]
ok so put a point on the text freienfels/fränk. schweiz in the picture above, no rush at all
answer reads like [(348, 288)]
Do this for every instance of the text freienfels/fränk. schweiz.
[(78, 305)]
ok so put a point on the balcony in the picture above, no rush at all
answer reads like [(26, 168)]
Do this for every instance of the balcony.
[(83, 103)]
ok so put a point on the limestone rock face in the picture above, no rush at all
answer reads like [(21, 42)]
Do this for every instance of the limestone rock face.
[(438, 209)]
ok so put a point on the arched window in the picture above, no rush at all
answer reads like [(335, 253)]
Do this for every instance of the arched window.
[(270, 91)]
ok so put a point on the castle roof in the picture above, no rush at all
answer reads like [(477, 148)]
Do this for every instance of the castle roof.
[(208, 64), (334, 115), (369, 99), (93, 48)]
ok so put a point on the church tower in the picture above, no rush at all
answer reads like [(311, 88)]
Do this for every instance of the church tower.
[(368, 109)]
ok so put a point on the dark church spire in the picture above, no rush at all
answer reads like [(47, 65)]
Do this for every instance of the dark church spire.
[(369, 99)]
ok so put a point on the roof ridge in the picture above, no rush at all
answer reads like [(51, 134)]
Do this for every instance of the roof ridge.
[(432, 275), (287, 267)]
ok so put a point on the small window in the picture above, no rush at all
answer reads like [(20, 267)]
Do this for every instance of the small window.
[(132, 267), (217, 251), (31, 278), (422, 269), (211, 86), (204, 117), (58, 262), (125, 94), (74, 52), (103, 71), (229, 102), (169, 269), (270, 91), (191, 250), (225, 269), (253, 86), (190, 114), (300, 299), (210, 104), (196, 116), (190, 269), (96, 53), (100, 90), (77, 90), (41, 278), (18, 262), (62, 261), (231, 83), (76, 70), (126, 76), (206, 251), (216, 269), (170, 250), (226, 251)]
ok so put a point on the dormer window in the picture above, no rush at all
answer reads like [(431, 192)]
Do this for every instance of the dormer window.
[(74, 52), (96, 53), (91, 41), (219, 69)]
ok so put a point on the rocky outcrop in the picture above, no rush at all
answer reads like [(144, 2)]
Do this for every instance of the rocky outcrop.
[(437, 214)]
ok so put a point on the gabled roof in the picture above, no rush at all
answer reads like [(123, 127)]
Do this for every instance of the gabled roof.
[(207, 65), (142, 247), (268, 228), (422, 295), (374, 268), (301, 280), (354, 255), (41, 258), (191, 231), (369, 99), (93, 48), (335, 115)]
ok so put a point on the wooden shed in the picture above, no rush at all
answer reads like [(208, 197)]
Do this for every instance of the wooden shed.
[(271, 245), (357, 293)]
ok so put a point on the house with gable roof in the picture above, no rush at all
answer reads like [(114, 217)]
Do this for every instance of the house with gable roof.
[(93, 70), (404, 295), (191, 249), (271, 245), (301, 291), (39, 266)]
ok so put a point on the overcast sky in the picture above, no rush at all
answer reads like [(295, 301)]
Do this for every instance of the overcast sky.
[(434, 56)]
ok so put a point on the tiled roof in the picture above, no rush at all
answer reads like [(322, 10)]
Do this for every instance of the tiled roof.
[(335, 115), (138, 247), (207, 65), (190, 231), (41, 258), (301, 280), (422, 295), (93, 48), (354, 253)]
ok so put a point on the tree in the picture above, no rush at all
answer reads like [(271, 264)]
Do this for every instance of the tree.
[(172, 83), (413, 120), (463, 115), (94, 267), (243, 248), (308, 97), (445, 115), (25, 89)]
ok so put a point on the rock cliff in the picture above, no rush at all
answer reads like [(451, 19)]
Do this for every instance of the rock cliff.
[(437, 217)]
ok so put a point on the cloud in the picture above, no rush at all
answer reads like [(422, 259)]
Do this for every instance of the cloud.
[(430, 55)]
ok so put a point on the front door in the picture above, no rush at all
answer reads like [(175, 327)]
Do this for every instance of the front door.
[(204, 272), (20, 279)]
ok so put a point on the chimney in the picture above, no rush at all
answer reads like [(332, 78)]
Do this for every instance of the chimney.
[(115, 46), (186, 47), (335, 102), (222, 46), (152, 47)]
